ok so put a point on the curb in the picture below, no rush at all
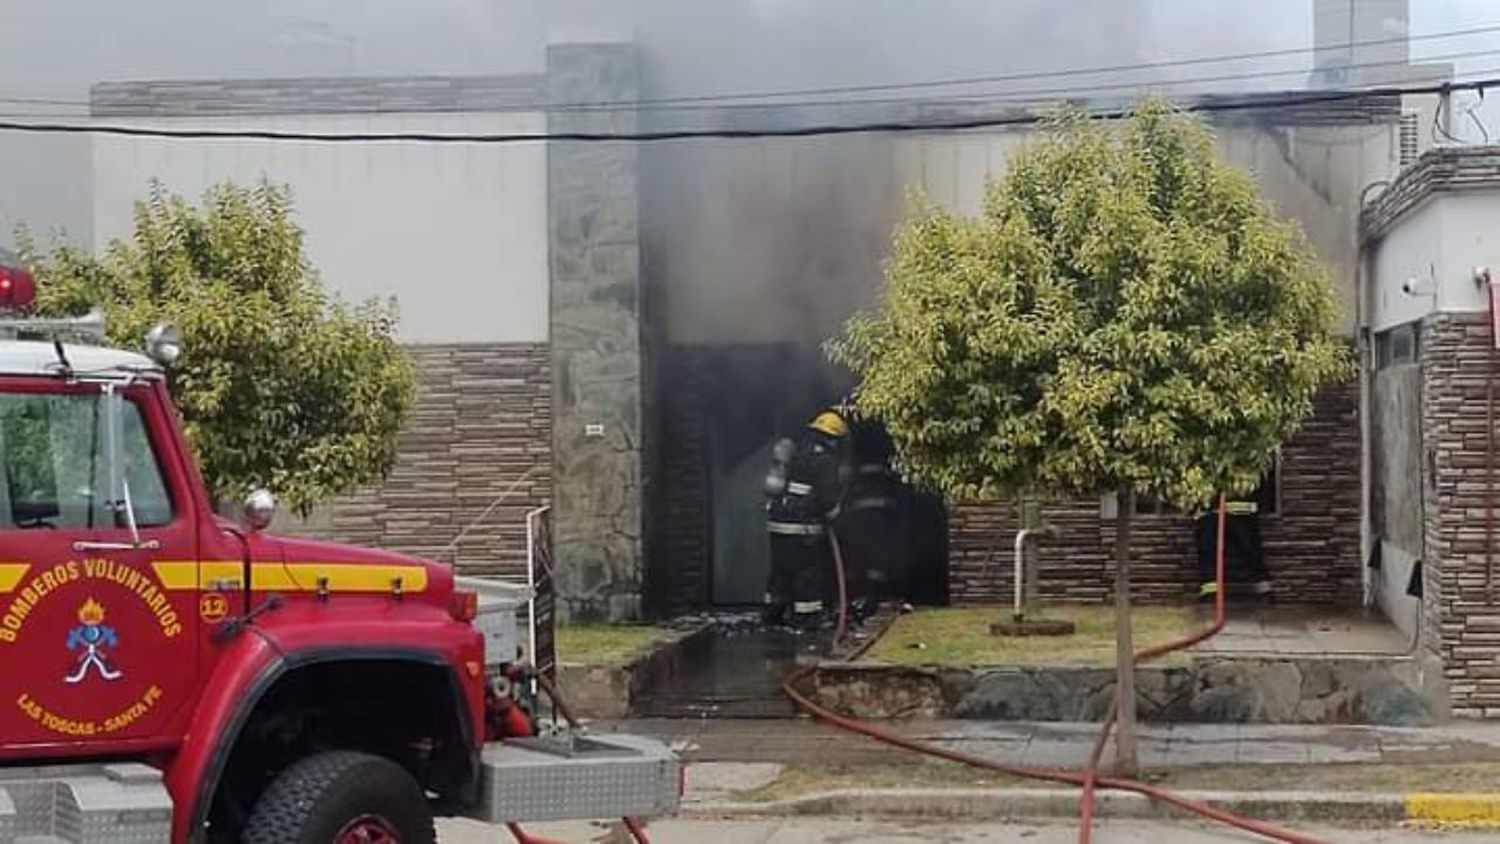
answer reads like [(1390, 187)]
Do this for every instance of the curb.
[(999, 804), (1457, 809)]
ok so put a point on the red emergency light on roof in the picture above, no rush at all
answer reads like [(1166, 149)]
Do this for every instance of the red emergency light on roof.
[(17, 288)]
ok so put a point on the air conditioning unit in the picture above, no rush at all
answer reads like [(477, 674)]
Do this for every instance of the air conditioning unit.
[(1408, 145)]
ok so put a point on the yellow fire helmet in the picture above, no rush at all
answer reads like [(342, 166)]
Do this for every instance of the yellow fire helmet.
[(829, 423)]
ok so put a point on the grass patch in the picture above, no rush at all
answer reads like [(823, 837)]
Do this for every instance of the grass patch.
[(605, 644), (1470, 777), (961, 637)]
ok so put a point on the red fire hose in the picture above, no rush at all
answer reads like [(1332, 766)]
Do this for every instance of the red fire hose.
[(1089, 779)]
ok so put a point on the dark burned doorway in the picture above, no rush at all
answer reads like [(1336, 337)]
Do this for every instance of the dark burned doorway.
[(753, 394)]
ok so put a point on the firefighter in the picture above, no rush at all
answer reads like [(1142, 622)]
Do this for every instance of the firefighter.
[(1244, 558), (869, 526), (804, 488)]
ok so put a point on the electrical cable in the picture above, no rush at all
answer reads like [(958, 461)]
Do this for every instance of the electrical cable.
[(821, 130), (1019, 95), (585, 105), (1484, 131), (1445, 106), (1019, 76)]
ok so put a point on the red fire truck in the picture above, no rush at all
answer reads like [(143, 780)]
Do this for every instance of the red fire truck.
[(167, 674)]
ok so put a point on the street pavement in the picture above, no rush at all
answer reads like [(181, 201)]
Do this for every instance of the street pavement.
[(802, 741), (851, 831)]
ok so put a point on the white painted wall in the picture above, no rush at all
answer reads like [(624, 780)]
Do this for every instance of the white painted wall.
[(1437, 246), (1471, 238), (456, 233), (46, 186), (1412, 251)]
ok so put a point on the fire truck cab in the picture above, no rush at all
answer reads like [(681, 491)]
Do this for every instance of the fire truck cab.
[(167, 674)]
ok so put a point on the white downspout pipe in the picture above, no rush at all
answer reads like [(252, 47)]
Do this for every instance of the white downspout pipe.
[(1019, 608)]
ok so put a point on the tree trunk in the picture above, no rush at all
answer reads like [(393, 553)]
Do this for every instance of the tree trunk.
[(1126, 760), (1031, 518)]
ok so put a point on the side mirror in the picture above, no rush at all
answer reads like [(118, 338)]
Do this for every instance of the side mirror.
[(260, 508), (163, 344)]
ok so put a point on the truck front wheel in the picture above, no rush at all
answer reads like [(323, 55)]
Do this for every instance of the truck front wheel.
[(342, 797)]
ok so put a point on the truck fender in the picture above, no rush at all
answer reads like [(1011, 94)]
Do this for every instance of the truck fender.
[(249, 666), (247, 671)]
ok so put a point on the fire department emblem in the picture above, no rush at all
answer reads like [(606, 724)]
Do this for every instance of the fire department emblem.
[(90, 640)]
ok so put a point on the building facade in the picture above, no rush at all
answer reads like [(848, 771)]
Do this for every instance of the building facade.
[(1432, 376), (621, 330)]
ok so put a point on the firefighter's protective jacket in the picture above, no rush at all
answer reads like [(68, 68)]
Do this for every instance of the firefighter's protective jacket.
[(812, 489)]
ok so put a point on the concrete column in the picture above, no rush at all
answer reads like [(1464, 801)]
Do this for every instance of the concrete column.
[(595, 323)]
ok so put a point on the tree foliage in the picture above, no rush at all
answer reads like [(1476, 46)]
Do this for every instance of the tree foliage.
[(1126, 314), (279, 385)]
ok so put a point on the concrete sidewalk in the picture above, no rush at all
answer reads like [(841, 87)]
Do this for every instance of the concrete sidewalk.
[(907, 831), (801, 741)]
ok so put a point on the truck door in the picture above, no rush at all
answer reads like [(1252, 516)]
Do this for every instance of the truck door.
[(98, 644)]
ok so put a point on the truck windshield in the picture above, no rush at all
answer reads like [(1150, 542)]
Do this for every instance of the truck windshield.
[(54, 464)]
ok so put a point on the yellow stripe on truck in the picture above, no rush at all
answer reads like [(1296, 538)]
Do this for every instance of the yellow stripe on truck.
[(220, 573), (338, 577), (177, 577), (12, 574), (289, 577), (208, 574)]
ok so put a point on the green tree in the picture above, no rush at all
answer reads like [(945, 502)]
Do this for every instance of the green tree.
[(1125, 316), (279, 385)]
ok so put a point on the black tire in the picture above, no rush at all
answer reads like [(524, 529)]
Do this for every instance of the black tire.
[(317, 798)]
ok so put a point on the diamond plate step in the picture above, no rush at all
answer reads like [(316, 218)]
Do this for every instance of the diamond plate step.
[(579, 778), (84, 804)]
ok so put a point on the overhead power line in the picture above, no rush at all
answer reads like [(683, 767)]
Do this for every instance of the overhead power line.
[(891, 127), (1023, 94), (1018, 77), (640, 103)]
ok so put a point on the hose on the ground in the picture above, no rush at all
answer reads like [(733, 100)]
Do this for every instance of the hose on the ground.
[(822, 713), (524, 837), (636, 829), (557, 699)]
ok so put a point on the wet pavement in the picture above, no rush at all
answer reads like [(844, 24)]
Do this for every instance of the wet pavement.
[(736, 672)]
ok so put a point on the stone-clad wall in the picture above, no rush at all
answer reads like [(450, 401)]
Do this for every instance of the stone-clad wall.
[(1461, 623), (595, 324), (480, 433), (1312, 548)]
